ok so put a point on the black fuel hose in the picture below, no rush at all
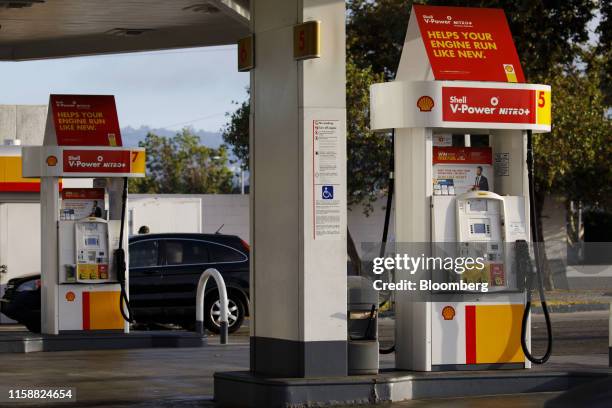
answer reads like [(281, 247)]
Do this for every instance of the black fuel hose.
[(120, 263), (529, 271), (388, 218)]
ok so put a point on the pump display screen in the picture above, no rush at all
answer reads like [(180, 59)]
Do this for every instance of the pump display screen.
[(478, 205), (479, 228), (92, 241)]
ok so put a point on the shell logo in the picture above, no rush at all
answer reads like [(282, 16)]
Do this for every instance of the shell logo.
[(51, 161), (448, 313), (425, 103), (70, 296), (509, 68)]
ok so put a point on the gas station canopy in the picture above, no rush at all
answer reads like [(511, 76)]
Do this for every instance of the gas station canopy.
[(35, 29)]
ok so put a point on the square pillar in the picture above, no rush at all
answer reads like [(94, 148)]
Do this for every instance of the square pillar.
[(298, 193), (49, 217)]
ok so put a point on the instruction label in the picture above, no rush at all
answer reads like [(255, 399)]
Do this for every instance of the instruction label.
[(502, 164), (327, 203)]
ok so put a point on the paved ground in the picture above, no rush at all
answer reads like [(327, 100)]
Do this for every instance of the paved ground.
[(183, 377), (115, 378)]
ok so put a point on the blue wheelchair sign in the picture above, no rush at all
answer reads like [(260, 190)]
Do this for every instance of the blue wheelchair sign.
[(327, 192)]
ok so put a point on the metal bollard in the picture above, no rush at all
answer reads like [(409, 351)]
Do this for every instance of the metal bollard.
[(223, 321)]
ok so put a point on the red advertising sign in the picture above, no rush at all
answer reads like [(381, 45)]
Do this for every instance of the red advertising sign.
[(488, 105), (462, 155), (472, 44), (83, 194), (97, 161), (85, 120)]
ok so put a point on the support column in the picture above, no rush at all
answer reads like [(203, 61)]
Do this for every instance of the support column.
[(49, 213), (413, 190), (298, 153)]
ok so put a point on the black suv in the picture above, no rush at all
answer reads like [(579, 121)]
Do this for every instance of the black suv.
[(164, 274)]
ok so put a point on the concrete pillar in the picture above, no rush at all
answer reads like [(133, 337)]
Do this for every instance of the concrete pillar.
[(49, 214), (413, 157), (298, 151)]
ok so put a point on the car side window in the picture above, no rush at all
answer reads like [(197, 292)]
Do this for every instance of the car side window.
[(221, 253), (179, 252), (144, 253)]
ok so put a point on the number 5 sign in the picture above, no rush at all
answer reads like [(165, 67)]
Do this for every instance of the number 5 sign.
[(307, 40), (543, 108)]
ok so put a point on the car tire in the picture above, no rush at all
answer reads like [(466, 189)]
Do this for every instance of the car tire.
[(212, 312)]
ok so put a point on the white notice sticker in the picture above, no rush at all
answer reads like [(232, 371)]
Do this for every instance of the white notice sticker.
[(502, 164), (327, 201)]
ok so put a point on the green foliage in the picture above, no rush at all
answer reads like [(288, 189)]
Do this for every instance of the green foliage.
[(574, 160), (236, 132), (180, 165), (368, 153), (604, 50), (375, 33)]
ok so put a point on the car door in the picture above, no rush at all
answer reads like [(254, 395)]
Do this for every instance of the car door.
[(146, 293), (185, 260)]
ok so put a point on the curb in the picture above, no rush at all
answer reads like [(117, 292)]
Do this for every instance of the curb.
[(569, 308)]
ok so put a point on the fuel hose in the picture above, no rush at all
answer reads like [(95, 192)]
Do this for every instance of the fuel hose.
[(119, 255), (387, 219), (529, 275)]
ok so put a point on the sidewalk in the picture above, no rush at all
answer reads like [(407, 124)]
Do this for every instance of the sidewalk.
[(561, 301)]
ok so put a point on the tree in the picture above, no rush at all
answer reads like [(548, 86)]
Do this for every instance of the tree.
[(573, 161), (181, 165), (604, 50), (368, 153), (575, 158), (236, 132), (375, 34)]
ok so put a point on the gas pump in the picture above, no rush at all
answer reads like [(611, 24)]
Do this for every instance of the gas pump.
[(84, 240), (462, 118)]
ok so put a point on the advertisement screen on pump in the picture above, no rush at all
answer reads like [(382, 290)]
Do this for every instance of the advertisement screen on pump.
[(458, 170), (78, 203)]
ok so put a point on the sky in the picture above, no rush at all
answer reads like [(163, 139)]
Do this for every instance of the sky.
[(163, 89)]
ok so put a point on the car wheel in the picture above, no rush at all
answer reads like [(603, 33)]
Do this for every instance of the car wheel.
[(212, 313)]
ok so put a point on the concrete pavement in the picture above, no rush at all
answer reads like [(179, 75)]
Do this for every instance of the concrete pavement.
[(184, 377)]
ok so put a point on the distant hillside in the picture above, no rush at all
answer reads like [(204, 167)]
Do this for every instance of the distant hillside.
[(132, 136)]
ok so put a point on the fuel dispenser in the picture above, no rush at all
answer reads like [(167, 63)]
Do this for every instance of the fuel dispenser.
[(84, 240), (462, 117)]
